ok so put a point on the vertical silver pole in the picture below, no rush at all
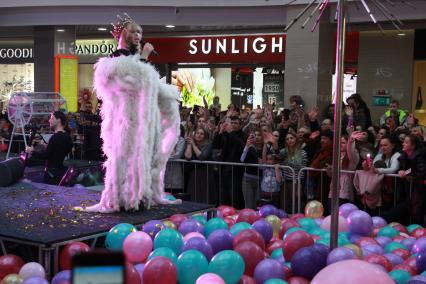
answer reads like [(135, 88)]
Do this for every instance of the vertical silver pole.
[(340, 60)]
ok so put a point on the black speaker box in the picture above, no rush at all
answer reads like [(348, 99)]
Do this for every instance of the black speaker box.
[(11, 171)]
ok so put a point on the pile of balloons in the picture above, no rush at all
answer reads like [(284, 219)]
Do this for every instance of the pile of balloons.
[(248, 246)]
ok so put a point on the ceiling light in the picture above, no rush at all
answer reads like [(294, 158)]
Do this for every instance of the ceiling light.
[(170, 26), (102, 29), (401, 34), (60, 30)]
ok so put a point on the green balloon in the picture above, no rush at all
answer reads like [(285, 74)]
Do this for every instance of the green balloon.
[(115, 237), (164, 251), (275, 281), (229, 265), (213, 225), (388, 231), (276, 253), (390, 247), (169, 238), (191, 264), (200, 219), (412, 227), (307, 223), (400, 276), (238, 227)]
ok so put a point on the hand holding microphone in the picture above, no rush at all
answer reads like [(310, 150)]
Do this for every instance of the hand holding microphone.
[(147, 49)]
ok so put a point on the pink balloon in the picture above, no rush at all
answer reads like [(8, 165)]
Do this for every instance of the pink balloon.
[(210, 278), (343, 224), (137, 246), (192, 235), (32, 269), (352, 272)]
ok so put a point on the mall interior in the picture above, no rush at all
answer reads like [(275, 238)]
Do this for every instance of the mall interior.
[(246, 152)]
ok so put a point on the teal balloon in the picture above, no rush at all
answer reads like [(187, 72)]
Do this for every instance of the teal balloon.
[(317, 231), (400, 276), (307, 223), (200, 219), (423, 273), (288, 264), (238, 227), (343, 239), (213, 225), (276, 253), (412, 227), (229, 265), (388, 231), (115, 237), (191, 264), (170, 197), (324, 241), (166, 252), (275, 281), (169, 238), (390, 247)]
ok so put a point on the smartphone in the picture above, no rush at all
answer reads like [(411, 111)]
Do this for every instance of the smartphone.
[(98, 268), (195, 109)]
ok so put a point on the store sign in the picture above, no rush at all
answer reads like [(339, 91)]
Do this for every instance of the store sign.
[(94, 47), (273, 89), (16, 53)]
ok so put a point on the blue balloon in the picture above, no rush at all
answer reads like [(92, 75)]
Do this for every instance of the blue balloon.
[(115, 237), (421, 261), (64, 275), (307, 262)]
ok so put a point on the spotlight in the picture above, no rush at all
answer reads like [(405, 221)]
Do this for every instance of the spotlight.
[(170, 26), (401, 34), (60, 30), (102, 29)]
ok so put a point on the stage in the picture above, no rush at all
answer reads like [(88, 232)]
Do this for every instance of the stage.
[(42, 215)]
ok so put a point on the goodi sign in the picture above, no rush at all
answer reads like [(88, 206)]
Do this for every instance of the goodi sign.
[(16, 53)]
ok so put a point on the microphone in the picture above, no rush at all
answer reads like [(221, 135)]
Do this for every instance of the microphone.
[(154, 52)]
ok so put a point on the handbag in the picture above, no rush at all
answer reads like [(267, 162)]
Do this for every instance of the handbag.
[(419, 99)]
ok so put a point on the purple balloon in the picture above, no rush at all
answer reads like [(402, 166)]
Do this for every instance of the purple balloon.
[(152, 227), (35, 280), (267, 210), (408, 242), (319, 221), (139, 268), (64, 275), (281, 259), (418, 279), (191, 225), (324, 250), (268, 269), (264, 228), (354, 237), (281, 214), (393, 258), (359, 222), (220, 240), (339, 254), (421, 261), (383, 241), (419, 245), (379, 222), (346, 209), (199, 244), (372, 249), (308, 261)]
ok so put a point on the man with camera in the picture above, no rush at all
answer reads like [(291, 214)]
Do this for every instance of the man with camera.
[(59, 146)]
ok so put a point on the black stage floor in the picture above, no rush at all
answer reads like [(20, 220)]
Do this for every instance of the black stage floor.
[(42, 214)]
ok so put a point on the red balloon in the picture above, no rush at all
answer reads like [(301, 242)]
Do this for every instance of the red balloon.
[(69, 251), (297, 216), (229, 221), (297, 280), (248, 215), (366, 241), (380, 260), (375, 232), (252, 255), (400, 228), (405, 254), (132, 275), (177, 219), (10, 264), (411, 262), (406, 268), (246, 280), (287, 224), (159, 270), (273, 246), (226, 210), (287, 272), (419, 233), (398, 239), (296, 241), (251, 236)]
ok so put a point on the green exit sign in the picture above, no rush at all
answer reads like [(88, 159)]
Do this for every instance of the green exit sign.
[(381, 100)]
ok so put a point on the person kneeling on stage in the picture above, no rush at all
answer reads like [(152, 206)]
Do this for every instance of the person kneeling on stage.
[(59, 146)]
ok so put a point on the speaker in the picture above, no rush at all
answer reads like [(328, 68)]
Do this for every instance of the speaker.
[(11, 171)]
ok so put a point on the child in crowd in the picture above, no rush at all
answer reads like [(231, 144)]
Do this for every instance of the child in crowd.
[(271, 180)]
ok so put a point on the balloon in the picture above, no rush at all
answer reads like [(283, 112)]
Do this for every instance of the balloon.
[(393, 258), (408, 243), (421, 261), (307, 262), (252, 255), (199, 244), (418, 233), (352, 272), (378, 222), (227, 264), (249, 235), (226, 210), (286, 224), (291, 230), (152, 227), (10, 264), (343, 224), (191, 225), (62, 276), (12, 279), (209, 278), (383, 241), (245, 279), (277, 253), (192, 235), (419, 245), (281, 214), (213, 225), (356, 249), (340, 254), (297, 280), (139, 268), (137, 246), (220, 240), (169, 224), (268, 269), (191, 264), (411, 262), (296, 217), (418, 279), (169, 238), (115, 237), (267, 210), (275, 223), (274, 245), (296, 241), (247, 215), (307, 223), (177, 219), (380, 260), (132, 275), (371, 249), (169, 196), (32, 269), (346, 209), (400, 276), (314, 209), (359, 222), (35, 280), (275, 281), (69, 251), (406, 268), (388, 231), (159, 270), (264, 228), (239, 227), (405, 254), (200, 218), (165, 252), (362, 241), (412, 227)]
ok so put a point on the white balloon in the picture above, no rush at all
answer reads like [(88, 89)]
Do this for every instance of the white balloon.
[(32, 269)]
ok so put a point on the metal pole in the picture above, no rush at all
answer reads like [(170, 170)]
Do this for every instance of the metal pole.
[(340, 60)]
